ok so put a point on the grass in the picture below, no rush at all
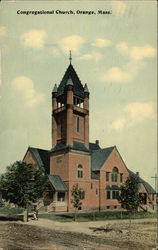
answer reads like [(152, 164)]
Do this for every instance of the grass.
[(98, 216), (89, 216), (57, 217), (10, 211)]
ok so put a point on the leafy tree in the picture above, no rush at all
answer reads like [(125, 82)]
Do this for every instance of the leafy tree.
[(76, 194), (129, 197), (22, 184)]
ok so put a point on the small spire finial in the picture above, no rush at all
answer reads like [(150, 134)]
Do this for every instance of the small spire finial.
[(55, 89), (70, 58)]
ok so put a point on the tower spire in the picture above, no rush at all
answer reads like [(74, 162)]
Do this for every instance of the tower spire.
[(70, 58)]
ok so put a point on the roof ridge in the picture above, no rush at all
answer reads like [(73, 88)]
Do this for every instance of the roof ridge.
[(76, 74), (64, 75), (146, 184), (101, 149), (110, 147), (99, 157), (39, 149)]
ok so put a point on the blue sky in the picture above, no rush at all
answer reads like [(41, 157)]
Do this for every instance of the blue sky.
[(114, 54)]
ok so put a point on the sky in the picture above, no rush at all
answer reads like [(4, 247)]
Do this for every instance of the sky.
[(115, 54)]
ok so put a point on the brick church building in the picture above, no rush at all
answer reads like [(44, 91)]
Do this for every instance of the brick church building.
[(74, 160)]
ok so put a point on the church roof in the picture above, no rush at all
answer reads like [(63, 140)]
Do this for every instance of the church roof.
[(79, 146), (99, 157), (77, 85), (57, 183), (43, 158), (147, 186), (76, 146), (55, 89), (93, 146), (86, 90)]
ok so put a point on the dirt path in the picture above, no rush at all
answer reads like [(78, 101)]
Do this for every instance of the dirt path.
[(50, 235), (85, 227), (20, 236)]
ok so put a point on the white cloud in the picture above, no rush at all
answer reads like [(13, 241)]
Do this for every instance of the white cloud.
[(136, 53), (138, 111), (101, 43), (134, 113), (3, 31), (117, 125), (118, 8), (26, 89), (94, 56), (116, 75), (122, 47), (139, 53), (34, 39), (136, 56), (73, 43)]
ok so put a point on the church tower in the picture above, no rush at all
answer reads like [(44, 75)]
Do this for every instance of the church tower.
[(70, 111), (70, 154)]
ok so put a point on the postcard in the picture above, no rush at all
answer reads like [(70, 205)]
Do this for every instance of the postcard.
[(78, 96)]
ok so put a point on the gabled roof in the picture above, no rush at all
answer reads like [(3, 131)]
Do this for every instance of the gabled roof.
[(77, 85), (99, 157), (147, 186), (43, 158), (57, 183)]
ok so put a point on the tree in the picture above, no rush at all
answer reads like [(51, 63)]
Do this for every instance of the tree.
[(76, 194), (129, 197), (22, 184)]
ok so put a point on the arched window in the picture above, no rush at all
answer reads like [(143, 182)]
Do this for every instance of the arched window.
[(80, 171), (114, 174)]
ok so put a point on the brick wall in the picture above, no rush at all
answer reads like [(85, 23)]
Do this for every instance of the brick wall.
[(78, 136), (114, 160), (59, 165)]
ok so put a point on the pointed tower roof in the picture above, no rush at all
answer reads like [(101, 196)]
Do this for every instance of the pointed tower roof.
[(69, 82), (77, 85), (55, 89), (86, 90)]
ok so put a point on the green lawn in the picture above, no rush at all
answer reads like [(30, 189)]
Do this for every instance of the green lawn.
[(109, 215), (10, 211), (89, 216)]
